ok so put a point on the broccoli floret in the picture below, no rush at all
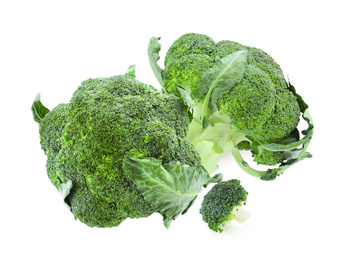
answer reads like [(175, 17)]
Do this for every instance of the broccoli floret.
[(238, 95), (250, 103), (186, 71), (187, 44), (111, 128), (223, 203)]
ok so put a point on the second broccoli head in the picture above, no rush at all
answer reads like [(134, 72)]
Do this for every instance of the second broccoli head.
[(118, 149), (240, 101)]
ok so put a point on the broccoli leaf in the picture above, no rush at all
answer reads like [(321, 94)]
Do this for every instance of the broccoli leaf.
[(226, 73), (65, 189), (131, 71), (296, 157), (303, 106), (220, 79), (153, 53), (38, 110), (294, 152), (308, 134), (185, 98), (297, 154), (171, 188)]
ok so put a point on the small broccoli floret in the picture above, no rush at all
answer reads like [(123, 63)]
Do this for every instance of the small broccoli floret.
[(222, 203), (110, 128), (186, 72), (262, 156), (190, 43), (238, 95)]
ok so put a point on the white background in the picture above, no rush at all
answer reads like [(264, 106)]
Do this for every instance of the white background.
[(50, 47)]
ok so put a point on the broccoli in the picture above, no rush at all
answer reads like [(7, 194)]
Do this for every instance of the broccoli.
[(119, 150), (223, 203), (239, 100)]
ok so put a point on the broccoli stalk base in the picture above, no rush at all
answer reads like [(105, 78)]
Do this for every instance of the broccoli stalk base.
[(214, 140), (241, 215)]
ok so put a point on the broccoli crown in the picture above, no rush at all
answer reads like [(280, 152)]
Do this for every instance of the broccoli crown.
[(87, 139), (221, 203), (260, 105), (239, 100)]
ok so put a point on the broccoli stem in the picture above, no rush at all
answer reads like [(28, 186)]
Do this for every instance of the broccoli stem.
[(251, 171), (211, 142), (217, 139), (242, 215), (209, 158), (243, 164)]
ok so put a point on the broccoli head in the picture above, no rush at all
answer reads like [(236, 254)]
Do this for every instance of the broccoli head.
[(104, 145), (240, 100), (222, 203)]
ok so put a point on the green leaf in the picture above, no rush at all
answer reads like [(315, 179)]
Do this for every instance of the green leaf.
[(171, 188), (294, 151), (217, 178), (220, 79), (131, 71), (308, 134), (65, 189), (296, 157), (185, 98), (38, 110), (153, 54), (291, 151), (270, 175), (303, 106)]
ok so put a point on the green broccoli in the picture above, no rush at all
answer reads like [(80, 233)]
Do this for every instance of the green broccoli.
[(239, 100), (119, 150), (223, 203)]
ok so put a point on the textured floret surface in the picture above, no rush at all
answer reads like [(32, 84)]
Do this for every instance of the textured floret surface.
[(87, 139)]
